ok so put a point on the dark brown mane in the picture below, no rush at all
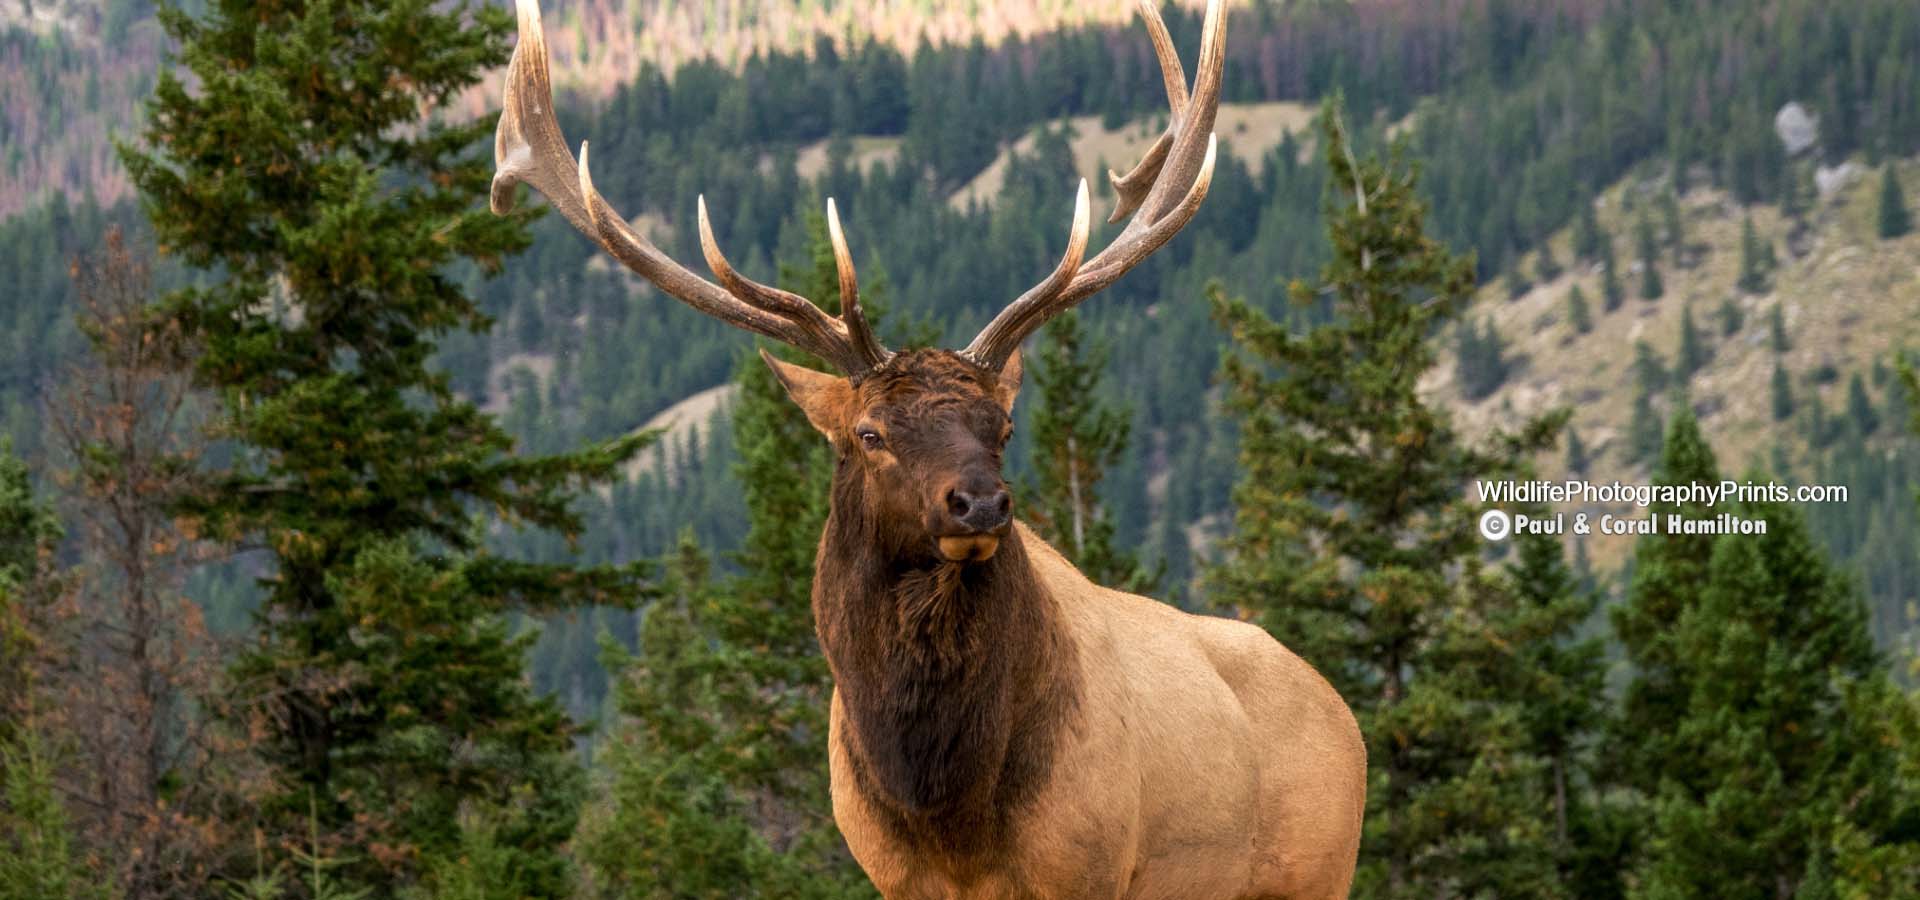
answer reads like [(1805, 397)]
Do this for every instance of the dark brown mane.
[(955, 678)]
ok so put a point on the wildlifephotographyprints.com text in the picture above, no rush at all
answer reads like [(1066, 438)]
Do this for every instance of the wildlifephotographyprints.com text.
[(1498, 524)]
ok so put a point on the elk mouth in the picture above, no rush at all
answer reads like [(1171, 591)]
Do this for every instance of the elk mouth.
[(967, 548)]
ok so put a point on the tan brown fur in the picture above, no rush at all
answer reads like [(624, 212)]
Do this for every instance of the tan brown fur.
[(1007, 729)]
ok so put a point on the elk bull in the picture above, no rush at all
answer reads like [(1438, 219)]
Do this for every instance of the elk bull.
[(1001, 726)]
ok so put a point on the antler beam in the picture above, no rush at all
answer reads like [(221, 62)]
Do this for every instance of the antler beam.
[(529, 148), (1162, 193)]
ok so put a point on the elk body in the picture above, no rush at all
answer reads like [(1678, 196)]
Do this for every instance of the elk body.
[(1001, 726)]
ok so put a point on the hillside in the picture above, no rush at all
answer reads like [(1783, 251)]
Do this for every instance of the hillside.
[(73, 74), (1845, 296)]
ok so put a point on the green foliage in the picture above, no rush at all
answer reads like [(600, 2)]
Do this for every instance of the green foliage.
[(1353, 542), (1578, 315), (1782, 393), (39, 856), (1651, 288), (1480, 363), (1669, 577), (1786, 726), (1077, 439), (338, 246), (1588, 240), (716, 766), (1692, 354), (1610, 290), (1756, 259), (1777, 331), (1893, 219)]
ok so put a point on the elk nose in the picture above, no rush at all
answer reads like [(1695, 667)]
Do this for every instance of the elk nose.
[(980, 510)]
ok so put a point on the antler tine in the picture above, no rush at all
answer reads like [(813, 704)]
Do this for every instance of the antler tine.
[(529, 148), (1132, 187), (851, 313), (1024, 316), (1162, 193), (826, 336)]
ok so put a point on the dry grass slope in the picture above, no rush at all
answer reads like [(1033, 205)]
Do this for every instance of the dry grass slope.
[(1848, 300)]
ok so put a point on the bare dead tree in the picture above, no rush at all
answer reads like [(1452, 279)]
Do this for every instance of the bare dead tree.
[(125, 418)]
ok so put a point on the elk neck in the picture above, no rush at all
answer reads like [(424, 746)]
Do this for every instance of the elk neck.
[(956, 681)]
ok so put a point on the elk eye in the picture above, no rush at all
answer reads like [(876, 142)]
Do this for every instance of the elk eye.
[(871, 439)]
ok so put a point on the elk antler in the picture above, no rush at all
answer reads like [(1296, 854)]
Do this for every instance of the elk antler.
[(1162, 192), (528, 147)]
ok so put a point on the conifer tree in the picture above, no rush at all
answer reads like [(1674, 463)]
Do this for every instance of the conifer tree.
[(1611, 293), (1587, 236), (1777, 330), (1650, 286), (1692, 355), (1674, 226), (1894, 219), (1076, 439), (717, 764), (1545, 267), (1753, 260), (1785, 727), (1782, 391), (1669, 576), (1644, 429), (1577, 460), (1577, 313), (1354, 543), (335, 228), (1731, 318)]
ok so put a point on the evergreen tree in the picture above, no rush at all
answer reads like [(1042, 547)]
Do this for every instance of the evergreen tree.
[(720, 786), (1777, 330), (1545, 267), (1864, 419), (1669, 577), (1753, 259), (1692, 355), (1611, 293), (1674, 226), (1782, 393), (1650, 285), (1076, 440), (1894, 220), (1577, 313), (1731, 318), (1354, 542), (1577, 460), (1785, 727), (1480, 363), (1562, 692), (1644, 429), (336, 227), (1587, 236)]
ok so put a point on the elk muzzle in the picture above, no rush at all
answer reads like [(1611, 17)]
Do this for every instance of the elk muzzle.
[(973, 513)]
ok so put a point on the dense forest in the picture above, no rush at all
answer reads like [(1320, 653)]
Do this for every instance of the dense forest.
[(330, 635)]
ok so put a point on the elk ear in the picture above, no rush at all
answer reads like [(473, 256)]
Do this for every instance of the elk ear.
[(1008, 387), (824, 398)]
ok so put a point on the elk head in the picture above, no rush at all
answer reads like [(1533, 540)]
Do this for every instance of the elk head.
[(919, 433)]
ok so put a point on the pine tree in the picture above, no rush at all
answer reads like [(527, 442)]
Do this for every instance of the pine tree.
[(1545, 267), (720, 787), (1577, 460), (1782, 390), (1644, 429), (1692, 355), (333, 225), (1577, 313), (1076, 440), (1562, 687), (1753, 260), (1732, 319), (1777, 330), (1669, 576), (1894, 220), (1650, 285), (1773, 669), (1611, 293), (1587, 236), (1354, 543), (1860, 412), (1674, 226)]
